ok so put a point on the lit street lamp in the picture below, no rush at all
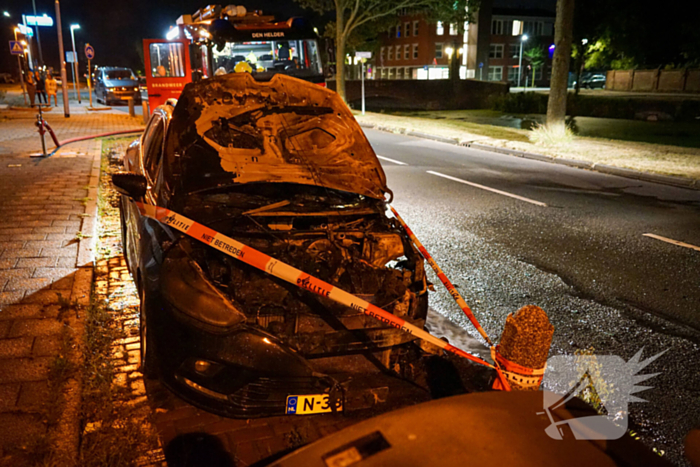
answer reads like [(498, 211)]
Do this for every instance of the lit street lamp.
[(75, 70), (523, 39)]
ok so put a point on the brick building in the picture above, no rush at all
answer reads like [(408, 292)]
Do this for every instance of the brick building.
[(489, 48)]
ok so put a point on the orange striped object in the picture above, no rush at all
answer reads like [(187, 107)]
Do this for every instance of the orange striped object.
[(443, 278), (292, 275)]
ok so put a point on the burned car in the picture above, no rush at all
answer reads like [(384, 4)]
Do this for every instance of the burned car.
[(283, 167)]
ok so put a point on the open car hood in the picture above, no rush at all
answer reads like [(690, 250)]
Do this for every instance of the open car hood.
[(233, 129)]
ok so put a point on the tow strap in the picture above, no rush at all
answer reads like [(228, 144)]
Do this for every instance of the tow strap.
[(283, 271)]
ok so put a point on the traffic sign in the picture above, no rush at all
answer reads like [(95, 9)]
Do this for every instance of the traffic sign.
[(16, 48), (363, 55), (89, 52), (70, 57), (44, 20)]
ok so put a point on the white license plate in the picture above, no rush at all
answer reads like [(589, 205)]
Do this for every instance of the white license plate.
[(308, 404)]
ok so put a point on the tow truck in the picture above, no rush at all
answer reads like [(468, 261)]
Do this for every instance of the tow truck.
[(217, 40)]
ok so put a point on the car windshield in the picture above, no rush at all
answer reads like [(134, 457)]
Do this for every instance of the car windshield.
[(120, 74), (291, 57)]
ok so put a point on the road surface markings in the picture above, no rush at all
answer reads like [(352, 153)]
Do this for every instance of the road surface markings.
[(672, 241), (391, 160), (504, 193)]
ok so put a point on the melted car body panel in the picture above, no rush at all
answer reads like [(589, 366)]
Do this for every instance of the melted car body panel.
[(282, 131)]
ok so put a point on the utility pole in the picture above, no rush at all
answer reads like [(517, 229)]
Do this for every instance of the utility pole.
[(38, 36), (64, 78), (76, 68), (523, 38)]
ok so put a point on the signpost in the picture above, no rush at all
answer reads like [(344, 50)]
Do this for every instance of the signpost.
[(89, 54), (61, 56), (16, 48), (362, 56)]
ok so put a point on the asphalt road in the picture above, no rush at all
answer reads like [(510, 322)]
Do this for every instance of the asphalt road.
[(572, 242)]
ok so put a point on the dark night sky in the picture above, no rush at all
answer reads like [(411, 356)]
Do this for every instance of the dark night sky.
[(116, 29)]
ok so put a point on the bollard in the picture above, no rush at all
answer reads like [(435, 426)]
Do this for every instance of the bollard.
[(524, 348), (144, 106), (132, 112)]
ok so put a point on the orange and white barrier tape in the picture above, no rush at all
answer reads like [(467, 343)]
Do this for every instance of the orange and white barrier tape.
[(528, 378), (294, 276), (443, 278)]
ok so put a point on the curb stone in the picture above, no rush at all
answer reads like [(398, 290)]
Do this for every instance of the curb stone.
[(67, 430), (680, 182)]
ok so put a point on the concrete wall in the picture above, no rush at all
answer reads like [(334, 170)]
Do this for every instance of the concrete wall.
[(653, 80), (422, 94)]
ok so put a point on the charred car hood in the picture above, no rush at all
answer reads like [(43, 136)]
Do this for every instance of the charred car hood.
[(233, 129)]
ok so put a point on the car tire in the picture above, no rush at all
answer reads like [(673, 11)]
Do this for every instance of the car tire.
[(149, 362), (122, 225)]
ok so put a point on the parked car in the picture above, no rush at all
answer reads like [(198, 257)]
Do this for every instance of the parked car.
[(114, 84), (596, 81), (281, 166)]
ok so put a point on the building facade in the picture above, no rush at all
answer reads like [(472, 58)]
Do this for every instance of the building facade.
[(488, 49)]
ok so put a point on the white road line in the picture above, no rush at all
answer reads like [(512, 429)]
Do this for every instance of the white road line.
[(391, 160), (504, 193), (672, 241)]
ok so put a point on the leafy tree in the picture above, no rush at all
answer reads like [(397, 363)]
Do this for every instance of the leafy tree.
[(352, 15), (537, 57), (456, 12)]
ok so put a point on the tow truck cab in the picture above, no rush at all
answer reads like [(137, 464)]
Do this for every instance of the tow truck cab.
[(216, 40)]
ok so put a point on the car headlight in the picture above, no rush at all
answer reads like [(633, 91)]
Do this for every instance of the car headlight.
[(111, 89), (184, 285)]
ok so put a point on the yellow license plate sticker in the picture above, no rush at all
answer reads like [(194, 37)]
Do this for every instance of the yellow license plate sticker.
[(308, 404)]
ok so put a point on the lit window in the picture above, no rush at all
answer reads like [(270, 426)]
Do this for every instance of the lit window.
[(453, 29), (438, 50), (398, 31), (440, 29)]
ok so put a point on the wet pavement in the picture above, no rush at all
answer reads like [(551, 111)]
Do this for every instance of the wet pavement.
[(582, 258)]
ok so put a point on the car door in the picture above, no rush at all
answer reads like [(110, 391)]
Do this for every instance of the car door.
[(168, 69), (138, 228)]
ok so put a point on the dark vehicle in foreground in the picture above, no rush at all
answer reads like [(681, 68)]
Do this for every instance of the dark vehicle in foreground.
[(494, 428), (114, 84), (281, 166)]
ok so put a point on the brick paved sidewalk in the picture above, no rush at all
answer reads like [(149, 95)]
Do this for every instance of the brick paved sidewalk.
[(43, 203)]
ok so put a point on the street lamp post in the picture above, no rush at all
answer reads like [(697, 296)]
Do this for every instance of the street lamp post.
[(76, 76), (21, 74), (523, 38)]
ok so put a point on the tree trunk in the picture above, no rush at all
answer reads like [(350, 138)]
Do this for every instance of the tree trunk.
[(340, 54), (563, 29), (579, 68), (454, 61)]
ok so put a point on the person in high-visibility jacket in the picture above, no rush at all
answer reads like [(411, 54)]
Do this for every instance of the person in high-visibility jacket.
[(52, 88)]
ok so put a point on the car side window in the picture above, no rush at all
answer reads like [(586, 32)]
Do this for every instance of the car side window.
[(153, 147)]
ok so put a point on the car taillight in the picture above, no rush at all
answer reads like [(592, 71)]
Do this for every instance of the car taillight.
[(323, 85)]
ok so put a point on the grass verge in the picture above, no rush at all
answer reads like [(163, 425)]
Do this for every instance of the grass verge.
[(646, 157)]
